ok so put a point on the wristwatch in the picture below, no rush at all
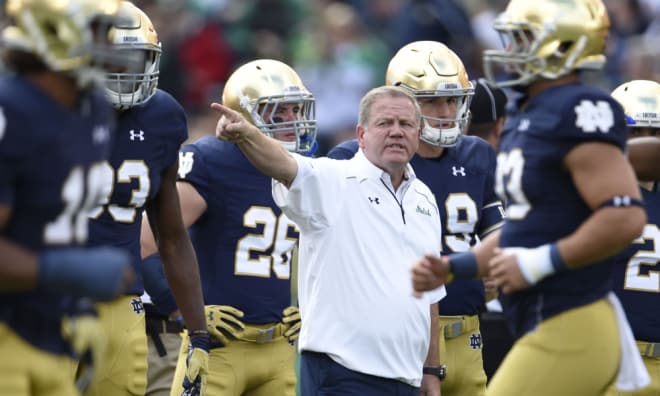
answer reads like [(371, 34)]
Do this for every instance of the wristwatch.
[(440, 372)]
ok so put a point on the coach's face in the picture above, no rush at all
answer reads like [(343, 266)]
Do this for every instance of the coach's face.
[(391, 136)]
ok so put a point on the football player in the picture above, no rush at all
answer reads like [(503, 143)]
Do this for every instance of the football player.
[(141, 174), (242, 240), (55, 130), (635, 276), (567, 185), (460, 172)]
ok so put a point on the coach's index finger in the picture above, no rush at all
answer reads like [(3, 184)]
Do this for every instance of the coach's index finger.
[(226, 111)]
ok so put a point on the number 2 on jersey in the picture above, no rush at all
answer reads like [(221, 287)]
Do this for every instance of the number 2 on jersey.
[(252, 258), (650, 281)]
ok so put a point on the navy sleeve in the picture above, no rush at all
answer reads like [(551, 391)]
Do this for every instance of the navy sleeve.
[(344, 150), (194, 170), (155, 284)]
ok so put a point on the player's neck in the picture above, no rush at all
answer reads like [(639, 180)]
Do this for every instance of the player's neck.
[(543, 84), (59, 87), (426, 150)]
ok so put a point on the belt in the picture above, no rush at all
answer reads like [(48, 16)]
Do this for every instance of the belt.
[(262, 334), (454, 326), (649, 349), (163, 326)]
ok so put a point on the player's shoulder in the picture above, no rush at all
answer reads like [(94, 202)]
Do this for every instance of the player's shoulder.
[(162, 105), (579, 112), (164, 114), (165, 102), (21, 99), (213, 149), (474, 152), (344, 150)]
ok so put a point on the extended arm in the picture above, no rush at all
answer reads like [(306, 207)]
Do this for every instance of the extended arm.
[(265, 153)]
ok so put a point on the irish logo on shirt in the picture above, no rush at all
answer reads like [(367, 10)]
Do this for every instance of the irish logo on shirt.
[(423, 211)]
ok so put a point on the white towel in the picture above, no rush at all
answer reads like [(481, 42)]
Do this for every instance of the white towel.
[(632, 374)]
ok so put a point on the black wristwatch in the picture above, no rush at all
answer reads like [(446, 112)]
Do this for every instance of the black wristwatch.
[(440, 372)]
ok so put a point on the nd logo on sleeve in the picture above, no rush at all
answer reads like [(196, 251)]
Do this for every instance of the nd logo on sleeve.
[(592, 116), (185, 163)]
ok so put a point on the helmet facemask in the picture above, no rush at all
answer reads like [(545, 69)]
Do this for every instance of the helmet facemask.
[(135, 84), (137, 39), (446, 137), (267, 112), (546, 40)]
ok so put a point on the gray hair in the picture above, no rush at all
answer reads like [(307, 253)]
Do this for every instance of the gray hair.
[(394, 92)]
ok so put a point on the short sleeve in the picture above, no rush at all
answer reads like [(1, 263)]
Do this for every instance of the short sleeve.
[(193, 169), (315, 197), (592, 117)]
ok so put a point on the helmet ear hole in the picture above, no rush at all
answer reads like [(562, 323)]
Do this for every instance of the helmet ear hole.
[(563, 48)]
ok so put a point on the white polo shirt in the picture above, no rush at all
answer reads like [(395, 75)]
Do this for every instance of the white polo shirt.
[(358, 241)]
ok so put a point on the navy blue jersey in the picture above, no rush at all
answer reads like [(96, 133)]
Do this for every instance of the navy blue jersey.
[(147, 143), (543, 204), (462, 180), (243, 241), (636, 275), (50, 157)]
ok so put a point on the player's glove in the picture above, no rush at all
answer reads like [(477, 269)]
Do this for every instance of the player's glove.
[(197, 364), (224, 322), (87, 339), (99, 273), (291, 318)]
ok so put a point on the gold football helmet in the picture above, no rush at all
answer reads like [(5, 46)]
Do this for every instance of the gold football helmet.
[(641, 102), (67, 35), (547, 39), (430, 69), (261, 90), (135, 84)]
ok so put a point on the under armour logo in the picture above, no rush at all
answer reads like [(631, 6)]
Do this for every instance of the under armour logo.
[(372, 200), (136, 135), (458, 171), (137, 306), (475, 341), (524, 124)]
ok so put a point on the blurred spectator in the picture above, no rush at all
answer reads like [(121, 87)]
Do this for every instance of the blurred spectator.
[(339, 62), (440, 20)]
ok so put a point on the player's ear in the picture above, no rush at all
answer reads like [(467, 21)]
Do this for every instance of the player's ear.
[(359, 132)]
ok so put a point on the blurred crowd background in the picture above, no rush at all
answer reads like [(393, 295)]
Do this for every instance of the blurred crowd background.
[(341, 48)]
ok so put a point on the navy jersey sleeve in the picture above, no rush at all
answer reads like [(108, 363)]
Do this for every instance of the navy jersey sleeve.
[(344, 150), (589, 115), (176, 119), (195, 170)]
